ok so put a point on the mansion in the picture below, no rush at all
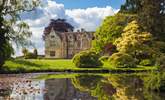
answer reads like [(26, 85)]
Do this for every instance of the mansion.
[(62, 42)]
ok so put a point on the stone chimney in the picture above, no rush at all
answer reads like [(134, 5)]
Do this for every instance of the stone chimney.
[(82, 30), (78, 31)]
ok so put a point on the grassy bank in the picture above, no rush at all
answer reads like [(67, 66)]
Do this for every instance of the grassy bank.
[(60, 65)]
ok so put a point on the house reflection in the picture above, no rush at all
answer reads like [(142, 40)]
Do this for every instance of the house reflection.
[(62, 89), (84, 87)]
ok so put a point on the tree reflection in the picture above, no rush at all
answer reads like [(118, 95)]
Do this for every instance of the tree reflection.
[(95, 85), (128, 87), (154, 86), (156, 82), (86, 87), (86, 82), (60, 89), (119, 87)]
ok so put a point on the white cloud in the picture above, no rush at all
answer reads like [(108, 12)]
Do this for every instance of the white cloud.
[(89, 19), (54, 10)]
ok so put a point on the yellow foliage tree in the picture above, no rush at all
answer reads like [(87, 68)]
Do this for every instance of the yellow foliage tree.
[(133, 40)]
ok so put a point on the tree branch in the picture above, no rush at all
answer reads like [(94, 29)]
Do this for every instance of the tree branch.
[(17, 10)]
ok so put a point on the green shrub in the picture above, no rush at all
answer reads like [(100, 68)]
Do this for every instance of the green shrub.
[(6, 51), (29, 55), (121, 60), (104, 58), (35, 53), (87, 59), (146, 62), (160, 62), (159, 45)]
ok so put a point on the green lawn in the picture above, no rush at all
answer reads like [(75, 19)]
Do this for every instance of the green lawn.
[(36, 64), (62, 65)]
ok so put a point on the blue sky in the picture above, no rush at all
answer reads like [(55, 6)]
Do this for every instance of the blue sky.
[(72, 4), (87, 14)]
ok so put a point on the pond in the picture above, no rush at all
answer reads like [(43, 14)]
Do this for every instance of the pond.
[(63, 86)]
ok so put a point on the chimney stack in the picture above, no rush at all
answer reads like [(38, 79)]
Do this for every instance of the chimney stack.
[(82, 30)]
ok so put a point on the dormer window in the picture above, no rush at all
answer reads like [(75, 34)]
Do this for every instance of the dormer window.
[(85, 36)]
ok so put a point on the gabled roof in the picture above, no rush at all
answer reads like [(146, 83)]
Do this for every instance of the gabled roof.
[(59, 25), (63, 30)]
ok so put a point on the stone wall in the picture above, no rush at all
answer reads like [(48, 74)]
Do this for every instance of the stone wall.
[(66, 44)]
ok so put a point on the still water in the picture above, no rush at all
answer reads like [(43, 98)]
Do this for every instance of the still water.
[(62, 86)]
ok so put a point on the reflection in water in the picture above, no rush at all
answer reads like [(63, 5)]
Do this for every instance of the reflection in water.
[(20, 88), (95, 85), (155, 82), (86, 82), (62, 89), (118, 87), (128, 87), (5, 90), (84, 87), (28, 90)]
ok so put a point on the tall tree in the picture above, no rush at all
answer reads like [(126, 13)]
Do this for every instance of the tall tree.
[(110, 29), (11, 26), (131, 6), (133, 39), (151, 15), (25, 51), (35, 53)]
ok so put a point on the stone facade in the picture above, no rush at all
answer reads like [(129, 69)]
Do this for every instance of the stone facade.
[(62, 42)]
